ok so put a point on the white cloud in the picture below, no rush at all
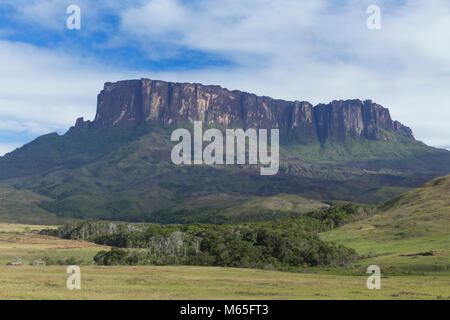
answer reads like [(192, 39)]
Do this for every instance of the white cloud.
[(311, 50), (43, 90), (51, 15), (8, 147)]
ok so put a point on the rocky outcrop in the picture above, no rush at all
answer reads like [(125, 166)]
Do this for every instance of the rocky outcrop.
[(134, 102), (80, 124), (340, 120)]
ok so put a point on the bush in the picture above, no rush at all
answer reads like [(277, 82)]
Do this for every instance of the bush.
[(115, 256)]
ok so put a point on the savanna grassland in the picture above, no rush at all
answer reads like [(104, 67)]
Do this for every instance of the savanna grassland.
[(185, 282), (407, 237), (411, 232)]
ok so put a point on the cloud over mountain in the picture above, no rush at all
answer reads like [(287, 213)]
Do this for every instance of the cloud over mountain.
[(314, 50)]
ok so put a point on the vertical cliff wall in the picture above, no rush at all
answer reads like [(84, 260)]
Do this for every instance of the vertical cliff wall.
[(134, 102)]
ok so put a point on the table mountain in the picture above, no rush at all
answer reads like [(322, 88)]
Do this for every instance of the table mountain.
[(118, 166), (136, 102)]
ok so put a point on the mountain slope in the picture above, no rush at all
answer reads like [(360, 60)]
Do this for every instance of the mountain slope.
[(412, 230), (137, 180), (221, 208), (23, 205)]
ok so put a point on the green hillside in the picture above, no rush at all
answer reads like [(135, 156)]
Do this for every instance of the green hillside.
[(278, 203), (125, 173), (23, 205), (410, 231), (223, 208)]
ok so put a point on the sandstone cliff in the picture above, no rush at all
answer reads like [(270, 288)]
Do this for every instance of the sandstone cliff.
[(134, 102)]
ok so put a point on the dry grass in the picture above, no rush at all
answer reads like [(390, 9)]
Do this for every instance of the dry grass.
[(14, 227), (18, 241), (182, 282)]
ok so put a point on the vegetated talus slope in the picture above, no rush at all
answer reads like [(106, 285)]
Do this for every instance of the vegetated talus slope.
[(23, 205), (131, 177)]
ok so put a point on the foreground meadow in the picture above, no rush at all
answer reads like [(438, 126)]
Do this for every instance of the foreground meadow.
[(183, 282)]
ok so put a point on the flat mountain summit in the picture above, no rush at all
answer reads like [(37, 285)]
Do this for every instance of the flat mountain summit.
[(136, 102), (118, 166)]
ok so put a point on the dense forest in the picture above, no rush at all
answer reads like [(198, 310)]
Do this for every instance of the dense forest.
[(282, 244)]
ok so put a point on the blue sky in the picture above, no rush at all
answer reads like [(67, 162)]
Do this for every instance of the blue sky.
[(314, 50)]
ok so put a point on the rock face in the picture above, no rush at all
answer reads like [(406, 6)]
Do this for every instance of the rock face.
[(340, 120), (134, 102)]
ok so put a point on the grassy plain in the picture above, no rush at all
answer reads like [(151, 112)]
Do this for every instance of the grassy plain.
[(20, 240), (185, 282)]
